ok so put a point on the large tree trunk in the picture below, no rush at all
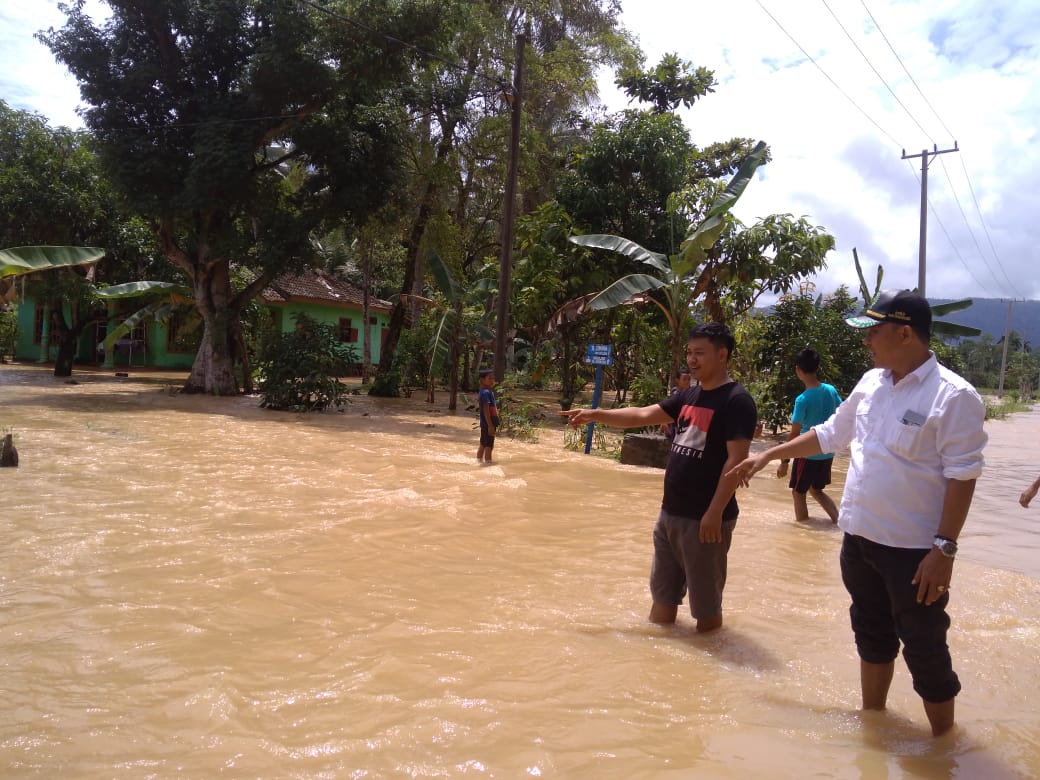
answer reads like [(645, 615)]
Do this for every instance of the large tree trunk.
[(66, 338), (214, 369), (415, 235)]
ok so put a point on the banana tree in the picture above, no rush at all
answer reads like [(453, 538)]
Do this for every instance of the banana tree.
[(939, 327), (680, 278), (451, 331), (71, 289), (20, 260), (174, 296)]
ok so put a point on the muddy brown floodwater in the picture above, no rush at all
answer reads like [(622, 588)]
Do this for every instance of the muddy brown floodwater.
[(195, 587)]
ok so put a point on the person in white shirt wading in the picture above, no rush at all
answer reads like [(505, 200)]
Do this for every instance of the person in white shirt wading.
[(915, 435)]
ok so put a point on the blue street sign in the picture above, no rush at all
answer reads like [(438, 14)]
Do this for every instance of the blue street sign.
[(599, 354)]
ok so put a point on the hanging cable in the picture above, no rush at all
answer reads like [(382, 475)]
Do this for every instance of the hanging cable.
[(953, 246), (876, 73), (949, 132), (827, 76)]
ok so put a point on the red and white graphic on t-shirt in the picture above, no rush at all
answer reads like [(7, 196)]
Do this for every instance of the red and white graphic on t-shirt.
[(691, 434)]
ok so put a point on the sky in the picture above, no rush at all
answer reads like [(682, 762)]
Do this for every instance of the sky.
[(840, 89)]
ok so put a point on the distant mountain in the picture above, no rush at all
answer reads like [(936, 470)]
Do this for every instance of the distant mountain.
[(990, 316)]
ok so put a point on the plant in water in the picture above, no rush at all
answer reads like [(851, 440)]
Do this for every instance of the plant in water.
[(605, 442), (300, 370), (519, 419)]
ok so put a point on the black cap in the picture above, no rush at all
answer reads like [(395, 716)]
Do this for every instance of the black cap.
[(899, 306)]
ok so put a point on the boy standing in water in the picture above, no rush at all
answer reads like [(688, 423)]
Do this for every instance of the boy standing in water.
[(488, 415), (817, 403)]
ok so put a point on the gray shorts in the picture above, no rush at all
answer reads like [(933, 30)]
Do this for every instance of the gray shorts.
[(682, 563)]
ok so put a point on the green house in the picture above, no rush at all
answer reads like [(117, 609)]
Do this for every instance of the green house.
[(157, 344)]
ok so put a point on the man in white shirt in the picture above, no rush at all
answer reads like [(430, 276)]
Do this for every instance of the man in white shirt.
[(915, 435)]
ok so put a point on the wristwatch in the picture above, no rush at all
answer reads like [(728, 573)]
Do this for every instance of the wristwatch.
[(947, 547)]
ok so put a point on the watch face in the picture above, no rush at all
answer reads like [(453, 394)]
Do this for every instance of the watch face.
[(946, 547)]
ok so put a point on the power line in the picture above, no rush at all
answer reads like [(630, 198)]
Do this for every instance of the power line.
[(949, 132), (953, 246), (971, 232), (827, 76), (978, 210), (928, 103), (953, 189), (876, 73)]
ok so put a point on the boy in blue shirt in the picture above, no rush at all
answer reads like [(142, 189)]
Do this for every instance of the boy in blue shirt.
[(813, 406), (488, 415)]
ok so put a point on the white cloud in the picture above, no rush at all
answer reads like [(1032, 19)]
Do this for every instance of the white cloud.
[(31, 79), (977, 64), (977, 61)]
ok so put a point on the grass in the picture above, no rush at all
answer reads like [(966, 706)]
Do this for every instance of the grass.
[(999, 408)]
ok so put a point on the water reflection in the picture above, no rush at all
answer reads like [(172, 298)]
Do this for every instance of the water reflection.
[(194, 586)]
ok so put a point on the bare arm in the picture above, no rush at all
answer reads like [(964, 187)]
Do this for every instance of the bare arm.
[(711, 520), (796, 430), (1029, 493), (806, 444), (625, 417), (936, 569)]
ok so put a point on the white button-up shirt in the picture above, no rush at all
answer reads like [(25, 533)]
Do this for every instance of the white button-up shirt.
[(906, 440)]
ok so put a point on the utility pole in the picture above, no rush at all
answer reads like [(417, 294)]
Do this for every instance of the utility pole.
[(1003, 357), (505, 268), (926, 158)]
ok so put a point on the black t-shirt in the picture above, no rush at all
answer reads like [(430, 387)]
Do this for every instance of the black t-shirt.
[(705, 421)]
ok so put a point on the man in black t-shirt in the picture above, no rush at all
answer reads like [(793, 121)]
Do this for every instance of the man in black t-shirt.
[(715, 422)]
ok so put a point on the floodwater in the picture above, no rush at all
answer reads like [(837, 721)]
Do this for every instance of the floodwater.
[(195, 587)]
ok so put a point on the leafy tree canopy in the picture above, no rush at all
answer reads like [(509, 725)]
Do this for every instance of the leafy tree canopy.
[(673, 82), (236, 127)]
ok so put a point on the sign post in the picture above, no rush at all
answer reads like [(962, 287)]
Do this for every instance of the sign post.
[(597, 355)]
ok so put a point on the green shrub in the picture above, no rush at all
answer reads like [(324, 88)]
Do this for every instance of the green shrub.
[(299, 371), (386, 385)]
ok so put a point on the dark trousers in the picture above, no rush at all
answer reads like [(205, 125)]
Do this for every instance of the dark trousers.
[(885, 612)]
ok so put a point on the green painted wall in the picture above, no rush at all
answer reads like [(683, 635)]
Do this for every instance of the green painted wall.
[(285, 323), (155, 353)]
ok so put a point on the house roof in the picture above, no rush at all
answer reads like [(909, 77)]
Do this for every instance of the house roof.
[(316, 286)]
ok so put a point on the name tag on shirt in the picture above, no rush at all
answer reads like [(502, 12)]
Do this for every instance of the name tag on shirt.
[(911, 417)]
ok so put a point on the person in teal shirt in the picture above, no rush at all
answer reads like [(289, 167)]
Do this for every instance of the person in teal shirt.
[(813, 406)]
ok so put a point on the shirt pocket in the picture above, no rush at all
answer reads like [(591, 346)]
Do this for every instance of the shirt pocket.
[(909, 440)]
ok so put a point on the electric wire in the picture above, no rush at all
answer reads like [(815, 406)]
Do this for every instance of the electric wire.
[(978, 210), (828, 77), (946, 233), (951, 134), (953, 189), (971, 232), (876, 72)]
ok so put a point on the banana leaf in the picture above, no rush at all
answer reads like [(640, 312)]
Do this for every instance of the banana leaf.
[(940, 328), (623, 246), (623, 289), (703, 236), (157, 309), (943, 309), (444, 278), (135, 289), (28, 259)]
